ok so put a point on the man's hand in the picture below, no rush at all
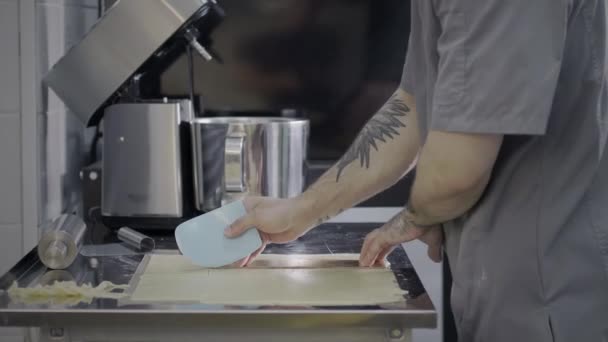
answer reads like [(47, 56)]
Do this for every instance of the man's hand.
[(382, 241), (275, 220)]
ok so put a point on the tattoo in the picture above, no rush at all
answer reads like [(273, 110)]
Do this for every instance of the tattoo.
[(401, 228), (412, 216), (398, 224), (382, 126)]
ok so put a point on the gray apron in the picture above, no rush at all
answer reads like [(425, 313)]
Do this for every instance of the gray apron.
[(530, 260)]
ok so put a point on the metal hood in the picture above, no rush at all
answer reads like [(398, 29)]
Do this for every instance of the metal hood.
[(132, 37)]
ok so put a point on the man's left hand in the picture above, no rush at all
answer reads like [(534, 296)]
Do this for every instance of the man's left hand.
[(382, 241)]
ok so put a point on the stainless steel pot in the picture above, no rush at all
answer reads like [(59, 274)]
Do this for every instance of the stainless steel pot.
[(238, 156)]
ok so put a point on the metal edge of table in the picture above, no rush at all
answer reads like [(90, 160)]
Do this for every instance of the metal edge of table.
[(305, 318), (255, 318)]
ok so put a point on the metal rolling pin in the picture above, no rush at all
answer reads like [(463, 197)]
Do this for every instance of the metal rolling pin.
[(135, 239), (61, 241)]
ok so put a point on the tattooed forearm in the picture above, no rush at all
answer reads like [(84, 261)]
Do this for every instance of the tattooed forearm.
[(381, 127), (396, 140)]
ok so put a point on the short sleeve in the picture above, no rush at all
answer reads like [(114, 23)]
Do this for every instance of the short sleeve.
[(407, 78), (499, 64), (409, 67)]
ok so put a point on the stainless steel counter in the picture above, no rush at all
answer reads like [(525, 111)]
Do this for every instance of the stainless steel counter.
[(391, 321)]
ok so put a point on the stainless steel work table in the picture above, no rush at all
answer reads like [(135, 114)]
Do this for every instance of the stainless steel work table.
[(107, 320)]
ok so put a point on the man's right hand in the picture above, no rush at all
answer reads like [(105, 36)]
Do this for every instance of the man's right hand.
[(276, 220)]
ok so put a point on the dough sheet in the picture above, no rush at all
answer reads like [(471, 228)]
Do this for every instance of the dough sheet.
[(173, 279)]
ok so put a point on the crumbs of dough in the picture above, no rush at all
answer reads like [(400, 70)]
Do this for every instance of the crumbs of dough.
[(65, 293)]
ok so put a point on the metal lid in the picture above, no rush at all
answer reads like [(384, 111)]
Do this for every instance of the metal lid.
[(130, 39)]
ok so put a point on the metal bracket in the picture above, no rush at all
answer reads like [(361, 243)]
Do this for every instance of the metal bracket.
[(54, 334), (397, 334)]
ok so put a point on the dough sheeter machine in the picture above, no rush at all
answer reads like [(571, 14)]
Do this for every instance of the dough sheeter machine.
[(155, 30)]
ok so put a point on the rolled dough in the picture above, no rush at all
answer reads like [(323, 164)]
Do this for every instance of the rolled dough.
[(171, 278)]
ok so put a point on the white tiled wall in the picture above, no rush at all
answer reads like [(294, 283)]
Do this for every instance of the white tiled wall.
[(10, 124), (10, 172), (9, 55), (58, 25), (10, 153), (13, 338), (10, 246)]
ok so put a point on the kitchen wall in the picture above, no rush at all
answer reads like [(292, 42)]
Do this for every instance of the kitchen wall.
[(42, 145), (10, 136)]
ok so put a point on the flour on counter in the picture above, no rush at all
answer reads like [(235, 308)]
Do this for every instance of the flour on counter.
[(65, 293)]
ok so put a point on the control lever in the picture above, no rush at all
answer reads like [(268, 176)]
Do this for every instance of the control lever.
[(192, 37)]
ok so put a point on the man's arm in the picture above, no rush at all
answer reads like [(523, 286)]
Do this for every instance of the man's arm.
[(384, 151), (452, 173)]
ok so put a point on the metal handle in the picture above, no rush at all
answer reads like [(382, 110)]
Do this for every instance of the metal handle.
[(192, 36), (234, 164)]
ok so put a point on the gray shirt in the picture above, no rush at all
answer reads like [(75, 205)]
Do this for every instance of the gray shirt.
[(530, 260)]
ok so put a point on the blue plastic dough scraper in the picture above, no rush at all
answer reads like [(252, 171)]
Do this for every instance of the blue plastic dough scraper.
[(202, 239)]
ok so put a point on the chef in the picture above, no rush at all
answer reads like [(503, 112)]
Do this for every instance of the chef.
[(503, 110)]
